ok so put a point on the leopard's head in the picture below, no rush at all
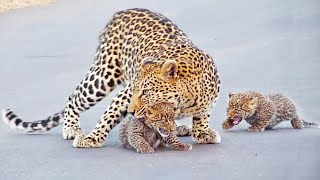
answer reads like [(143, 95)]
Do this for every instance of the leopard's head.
[(156, 81), (160, 117), (241, 106)]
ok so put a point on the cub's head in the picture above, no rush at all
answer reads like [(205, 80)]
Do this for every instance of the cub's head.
[(241, 106), (160, 117), (156, 82)]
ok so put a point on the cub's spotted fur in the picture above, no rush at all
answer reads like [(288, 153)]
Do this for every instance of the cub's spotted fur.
[(156, 62), (146, 134), (262, 111)]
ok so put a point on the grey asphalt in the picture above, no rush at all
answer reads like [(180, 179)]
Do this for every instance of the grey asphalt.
[(269, 46)]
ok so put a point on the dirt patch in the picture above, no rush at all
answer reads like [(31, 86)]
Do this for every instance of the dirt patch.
[(8, 5)]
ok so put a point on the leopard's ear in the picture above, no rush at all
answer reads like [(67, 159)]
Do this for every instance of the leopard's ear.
[(231, 94), (150, 111), (170, 69), (253, 102)]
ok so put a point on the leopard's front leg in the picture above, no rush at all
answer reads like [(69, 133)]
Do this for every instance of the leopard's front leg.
[(112, 116), (261, 121), (259, 125), (201, 131), (137, 141), (79, 137), (174, 142), (92, 89)]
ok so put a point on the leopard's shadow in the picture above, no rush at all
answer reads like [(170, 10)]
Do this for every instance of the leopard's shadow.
[(268, 130)]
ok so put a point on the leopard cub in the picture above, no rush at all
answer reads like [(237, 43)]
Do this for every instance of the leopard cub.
[(157, 128), (262, 111)]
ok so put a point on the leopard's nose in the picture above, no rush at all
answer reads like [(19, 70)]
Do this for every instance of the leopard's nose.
[(173, 127), (131, 113)]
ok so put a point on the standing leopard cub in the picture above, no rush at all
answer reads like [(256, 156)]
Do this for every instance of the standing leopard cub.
[(262, 111), (146, 134)]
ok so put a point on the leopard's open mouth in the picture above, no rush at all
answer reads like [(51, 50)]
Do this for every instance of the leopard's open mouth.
[(237, 120), (163, 132)]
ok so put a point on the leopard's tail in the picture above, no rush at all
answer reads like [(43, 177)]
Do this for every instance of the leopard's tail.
[(14, 122), (310, 124)]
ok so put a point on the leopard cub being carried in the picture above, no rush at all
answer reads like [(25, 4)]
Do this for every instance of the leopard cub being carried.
[(262, 111), (157, 128)]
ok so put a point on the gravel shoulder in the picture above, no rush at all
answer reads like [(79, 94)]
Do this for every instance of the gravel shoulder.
[(9, 5)]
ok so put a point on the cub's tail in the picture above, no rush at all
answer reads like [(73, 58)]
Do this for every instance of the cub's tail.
[(14, 122), (310, 124)]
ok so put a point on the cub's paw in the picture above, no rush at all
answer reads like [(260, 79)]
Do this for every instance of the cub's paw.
[(184, 130), (255, 129), (182, 147), (145, 150), (69, 132), (226, 125), (206, 136), (83, 141)]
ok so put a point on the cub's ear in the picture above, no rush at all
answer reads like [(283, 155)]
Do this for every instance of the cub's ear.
[(230, 95), (177, 112), (170, 69), (253, 102)]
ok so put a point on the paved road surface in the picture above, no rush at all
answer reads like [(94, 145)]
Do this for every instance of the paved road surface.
[(257, 45)]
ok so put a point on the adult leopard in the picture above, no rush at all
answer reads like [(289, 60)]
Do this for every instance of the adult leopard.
[(156, 62)]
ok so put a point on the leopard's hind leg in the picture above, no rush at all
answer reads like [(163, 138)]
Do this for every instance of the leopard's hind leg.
[(104, 75), (297, 123), (112, 116)]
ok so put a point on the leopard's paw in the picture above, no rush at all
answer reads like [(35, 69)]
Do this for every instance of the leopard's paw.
[(69, 132), (145, 150), (182, 147), (255, 129), (82, 141), (206, 136)]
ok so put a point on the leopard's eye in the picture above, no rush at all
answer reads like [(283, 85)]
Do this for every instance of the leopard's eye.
[(165, 120), (144, 92)]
